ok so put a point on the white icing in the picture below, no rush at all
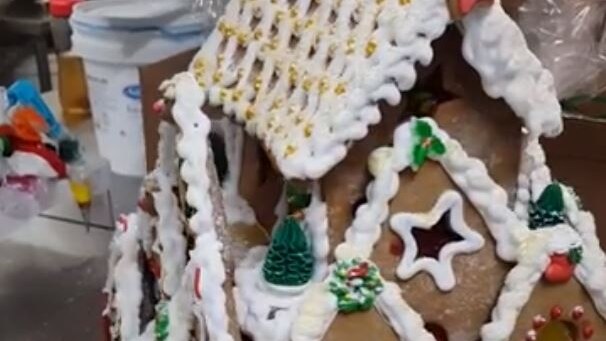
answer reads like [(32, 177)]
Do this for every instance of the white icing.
[(406, 322), (402, 37), (494, 45), (127, 277), (316, 223), (171, 243), (255, 301), (237, 208), (441, 269), (192, 146), (180, 312), (533, 177), (316, 313)]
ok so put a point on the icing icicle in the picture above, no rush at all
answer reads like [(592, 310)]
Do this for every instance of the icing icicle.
[(193, 148), (316, 221), (494, 45)]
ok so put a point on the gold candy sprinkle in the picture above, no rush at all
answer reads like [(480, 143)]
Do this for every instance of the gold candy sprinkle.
[(217, 76), (236, 95), (380, 2), (280, 15), (294, 12), (293, 74), (249, 114), (309, 23), (340, 88), (271, 122), (308, 129), (292, 109), (257, 83), (199, 64), (351, 45), (220, 60), (404, 2), (298, 120), (323, 85), (223, 95), (290, 150), (257, 34), (371, 47), (276, 104), (307, 84), (279, 129), (243, 38)]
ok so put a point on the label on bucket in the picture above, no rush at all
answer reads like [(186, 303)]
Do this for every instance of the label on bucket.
[(115, 94)]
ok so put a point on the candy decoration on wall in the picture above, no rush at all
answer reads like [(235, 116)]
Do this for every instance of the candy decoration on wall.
[(561, 266), (425, 144), (162, 321), (289, 260), (549, 209), (560, 324), (356, 283)]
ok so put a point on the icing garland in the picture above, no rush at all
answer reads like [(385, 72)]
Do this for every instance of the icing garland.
[(441, 269), (356, 283), (539, 322)]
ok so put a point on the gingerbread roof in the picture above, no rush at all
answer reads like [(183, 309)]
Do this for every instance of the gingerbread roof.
[(305, 76)]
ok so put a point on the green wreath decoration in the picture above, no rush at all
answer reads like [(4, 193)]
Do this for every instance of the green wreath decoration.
[(356, 283)]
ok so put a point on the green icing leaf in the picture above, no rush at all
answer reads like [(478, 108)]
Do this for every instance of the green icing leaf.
[(162, 322), (552, 198), (422, 129), (289, 261), (437, 148), (575, 255), (419, 156)]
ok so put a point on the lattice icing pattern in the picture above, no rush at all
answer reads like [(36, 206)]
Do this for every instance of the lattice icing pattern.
[(305, 77)]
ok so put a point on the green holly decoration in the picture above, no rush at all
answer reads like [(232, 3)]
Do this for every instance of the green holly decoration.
[(425, 144), (549, 210), (356, 283), (575, 255), (296, 198), (289, 261), (162, 322)]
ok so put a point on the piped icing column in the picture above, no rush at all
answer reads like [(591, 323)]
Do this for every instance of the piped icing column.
[(316, 222), (406, 322), (533, 177), (236, 207), (127, 276), (192, 146), (494, 45)]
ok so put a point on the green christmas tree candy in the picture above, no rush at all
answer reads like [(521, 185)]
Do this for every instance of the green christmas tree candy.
[(161, 327), (549, 210), (289, 261)]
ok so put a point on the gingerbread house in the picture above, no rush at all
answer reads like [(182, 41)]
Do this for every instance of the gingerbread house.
[(299, 196)]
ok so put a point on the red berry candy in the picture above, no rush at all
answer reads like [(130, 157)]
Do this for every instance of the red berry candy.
[(556, 312), (197, 279), (159, 106), (559, 270), (578, 312), (587, 331)]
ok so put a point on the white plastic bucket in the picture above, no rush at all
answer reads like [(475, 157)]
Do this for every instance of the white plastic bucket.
[(114, 38)]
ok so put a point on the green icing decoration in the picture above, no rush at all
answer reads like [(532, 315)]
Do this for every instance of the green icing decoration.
[(162, 322), (356, 283), (426, 144), (296, 198), (549, 210), (289, 261), (575, 255)]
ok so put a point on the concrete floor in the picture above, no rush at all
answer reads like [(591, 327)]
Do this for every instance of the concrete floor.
[(52, 271)]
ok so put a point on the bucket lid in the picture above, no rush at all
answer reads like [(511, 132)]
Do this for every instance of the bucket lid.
[(138, 15), (62, 8)]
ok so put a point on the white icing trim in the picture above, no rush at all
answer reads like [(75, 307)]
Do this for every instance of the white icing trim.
[(406, 322), (316, 313), (170, 235), (192, 146), (180, 312), (494, 45), (127, 277), (316, 223), (255, 301), (441, 269)]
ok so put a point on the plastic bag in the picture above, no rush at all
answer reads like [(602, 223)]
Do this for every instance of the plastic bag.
[(213, 10), (569, 38)]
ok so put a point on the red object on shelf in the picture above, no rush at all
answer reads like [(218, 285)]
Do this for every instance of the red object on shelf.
[(62, 8)]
